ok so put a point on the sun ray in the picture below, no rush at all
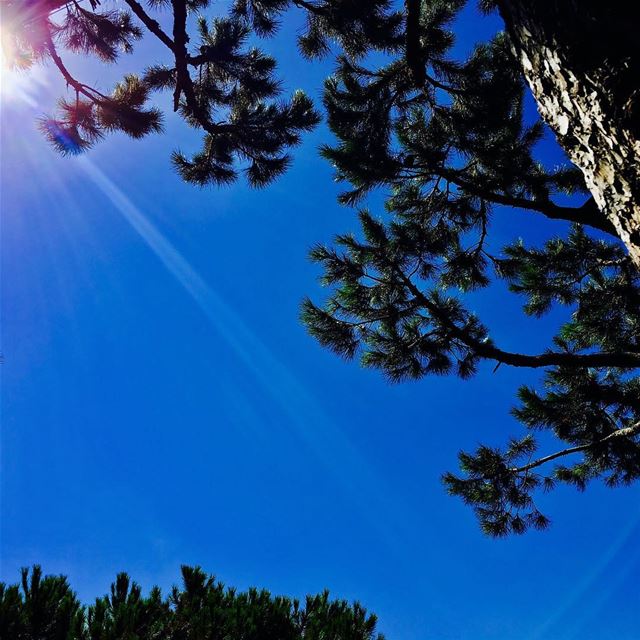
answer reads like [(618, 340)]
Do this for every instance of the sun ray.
[(328, 443), (20, 87)]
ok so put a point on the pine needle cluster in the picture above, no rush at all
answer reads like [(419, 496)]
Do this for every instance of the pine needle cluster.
[(219, 83)]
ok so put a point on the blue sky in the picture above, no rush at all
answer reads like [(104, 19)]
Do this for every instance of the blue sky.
[(161, 403)]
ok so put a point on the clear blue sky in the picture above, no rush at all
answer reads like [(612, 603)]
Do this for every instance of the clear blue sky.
[(161, 403)]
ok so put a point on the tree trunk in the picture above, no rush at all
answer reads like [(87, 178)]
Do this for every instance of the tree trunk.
[(582, 61)]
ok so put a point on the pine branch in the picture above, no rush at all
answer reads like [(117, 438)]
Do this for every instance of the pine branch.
[(446, 87), (180, 39), (184, 84), (413, 54), (92, 94), (486, 350), (587, 214), (622, 360), (627, 432), (152, 25)]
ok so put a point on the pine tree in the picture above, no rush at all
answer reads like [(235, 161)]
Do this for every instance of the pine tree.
[(448, 140), (45, 608)]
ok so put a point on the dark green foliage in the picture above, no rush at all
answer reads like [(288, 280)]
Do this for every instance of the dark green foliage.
[(42, 608), (201, 609), (500, 497)]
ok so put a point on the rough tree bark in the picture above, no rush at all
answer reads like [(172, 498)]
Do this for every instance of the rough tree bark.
[(582, 61)]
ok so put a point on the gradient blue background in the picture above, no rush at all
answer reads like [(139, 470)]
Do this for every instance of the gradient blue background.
[(161, 403)]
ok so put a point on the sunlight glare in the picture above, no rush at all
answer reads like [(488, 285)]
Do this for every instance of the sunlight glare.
[(18, 85)]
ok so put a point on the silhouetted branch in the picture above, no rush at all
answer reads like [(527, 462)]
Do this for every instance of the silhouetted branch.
[(627, 432), (487, 350), (87, 91), (413, 50), (587, 214), (152, 25)]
